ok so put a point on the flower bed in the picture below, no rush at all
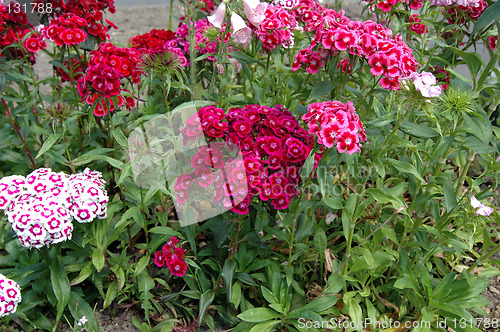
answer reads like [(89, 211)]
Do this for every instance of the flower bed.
[(272, 166)]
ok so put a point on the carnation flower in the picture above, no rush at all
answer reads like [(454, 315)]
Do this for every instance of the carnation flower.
[(173, 257), (482, 209), (425, 82), (10, 296), (40, 208)]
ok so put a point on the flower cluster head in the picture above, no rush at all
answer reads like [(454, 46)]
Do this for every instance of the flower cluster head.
[(87, 9), (389, 5), (460, 11), (173, 257), (481, 209), (416, 25), (10, 296), (336, 35), (203, 44), (273, 145), (14, 27), (336, 124), (153, 41), (492, 41), (276, 27), (107, 67), (425, 83), (41, 206)]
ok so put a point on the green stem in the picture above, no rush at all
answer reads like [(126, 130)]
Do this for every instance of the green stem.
[(266, 76), (460, 182), (484, 257)]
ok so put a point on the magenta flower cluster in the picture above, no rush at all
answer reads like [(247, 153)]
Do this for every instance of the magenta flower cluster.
[(40, 207), (276, 28), (10, 296), (273, 147), (335, 34), (336, 124), (173, 257)]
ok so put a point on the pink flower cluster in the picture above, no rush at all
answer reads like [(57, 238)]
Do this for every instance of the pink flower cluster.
[(159, 41), (10, 296), (388, 5), (425, 83), (203, 44), (273, 147), (14, 26), (389, 57), (276, 28), (335, 123), (416, 25), (41, 206), (107, 67), (481, 209), (461, 11), (173, 257)]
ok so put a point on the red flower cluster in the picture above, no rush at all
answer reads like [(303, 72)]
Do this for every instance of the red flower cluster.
[(276, 28), (273, 147), (153, 41), (492, 40), (173, 257), (335, 123), (13, 28), (69, 29), (336, 33), (107, 66), (388, 5), (458, 14), (86, 9), (416, 25)]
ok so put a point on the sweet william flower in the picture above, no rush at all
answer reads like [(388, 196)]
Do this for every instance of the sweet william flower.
[(217, 18), (481, 208), (241, 32)]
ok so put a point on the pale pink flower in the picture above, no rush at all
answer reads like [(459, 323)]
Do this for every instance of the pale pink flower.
[(241, 32), (481, 208), (255, 10), (425, 83), (498, 160), (217, 18)]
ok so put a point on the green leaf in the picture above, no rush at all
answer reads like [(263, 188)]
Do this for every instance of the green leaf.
[(110, 294), (141, 265), (84, 274), (236, 294), (321, 89), (264, 326), (491, 14), (128, 215), (334, 202), (61, 288), (444, 287), (79, 308), (405, 167), (228, 274), (473, 60), (383, 197), (269, 296), (321, 303), (450, 200), (257, 315), (98, 259), (47, 144), (320, 241), (120, 138), (244, 58), (417, 130), (476, 145), (164, 230), (206, 300)]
